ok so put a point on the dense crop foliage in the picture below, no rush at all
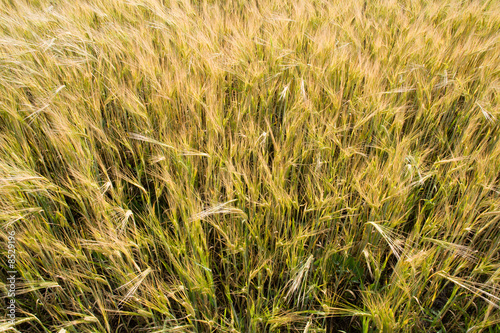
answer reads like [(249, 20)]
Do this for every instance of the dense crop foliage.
[(251, 166)]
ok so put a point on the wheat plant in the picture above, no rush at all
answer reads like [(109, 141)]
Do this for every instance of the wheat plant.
[(250, 166)]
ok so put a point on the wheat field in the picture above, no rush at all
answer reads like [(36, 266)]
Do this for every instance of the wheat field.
[(250, 166)]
